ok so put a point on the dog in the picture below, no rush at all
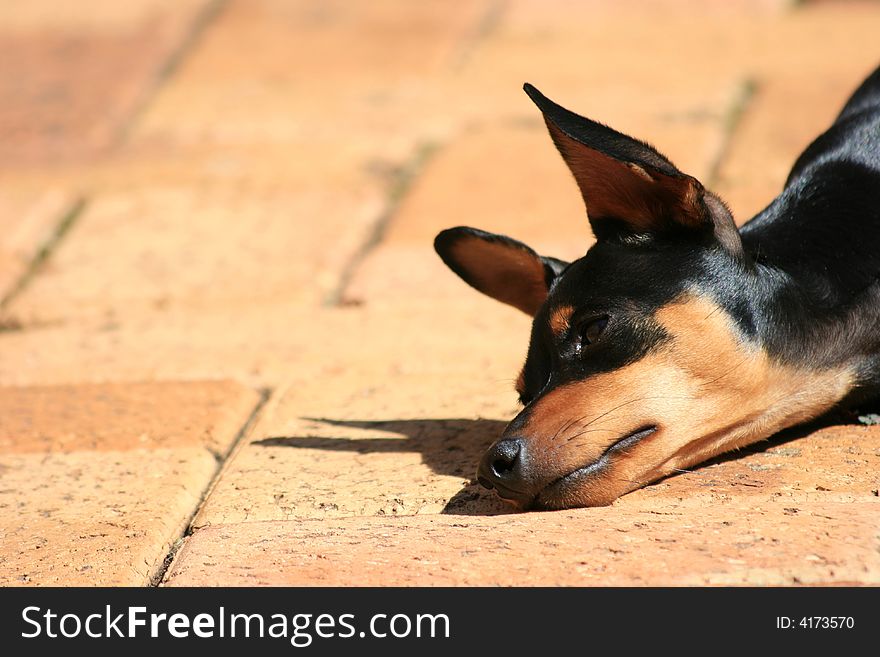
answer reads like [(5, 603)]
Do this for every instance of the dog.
[(678, 336)]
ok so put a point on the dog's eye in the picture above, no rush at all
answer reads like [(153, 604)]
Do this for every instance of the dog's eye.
[(591, 330)]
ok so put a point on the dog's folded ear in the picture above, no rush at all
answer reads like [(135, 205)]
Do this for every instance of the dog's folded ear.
[(632, 192), (498, 266)]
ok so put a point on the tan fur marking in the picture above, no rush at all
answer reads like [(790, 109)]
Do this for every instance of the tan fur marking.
[(708, 391), (559, 319), (639, 171)]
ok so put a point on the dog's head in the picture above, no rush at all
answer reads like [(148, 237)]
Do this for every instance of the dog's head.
[(645, 354)]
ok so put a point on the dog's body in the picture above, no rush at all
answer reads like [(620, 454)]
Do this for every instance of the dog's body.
[(678, 337)]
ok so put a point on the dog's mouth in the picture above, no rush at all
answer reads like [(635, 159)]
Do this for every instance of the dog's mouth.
[(555, 494)]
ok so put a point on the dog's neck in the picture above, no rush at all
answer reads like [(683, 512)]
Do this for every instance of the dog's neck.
[(815, 291), (823, 235)]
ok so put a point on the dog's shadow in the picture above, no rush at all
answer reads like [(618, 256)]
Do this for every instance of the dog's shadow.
[(453, 447), (450, 447)]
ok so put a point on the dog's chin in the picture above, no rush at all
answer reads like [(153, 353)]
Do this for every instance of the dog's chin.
[(582, 488), (591, 484)]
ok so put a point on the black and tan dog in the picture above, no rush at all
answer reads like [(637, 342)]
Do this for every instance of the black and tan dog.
[(678, 337)]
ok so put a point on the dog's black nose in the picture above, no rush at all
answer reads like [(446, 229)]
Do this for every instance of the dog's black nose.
[(503, 468)]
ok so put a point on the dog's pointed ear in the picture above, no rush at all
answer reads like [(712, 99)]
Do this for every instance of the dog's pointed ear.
[(498, 266), (631, 190)]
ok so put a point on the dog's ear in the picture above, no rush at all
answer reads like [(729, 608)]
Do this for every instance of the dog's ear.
[(632, 191), (501, 267)]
